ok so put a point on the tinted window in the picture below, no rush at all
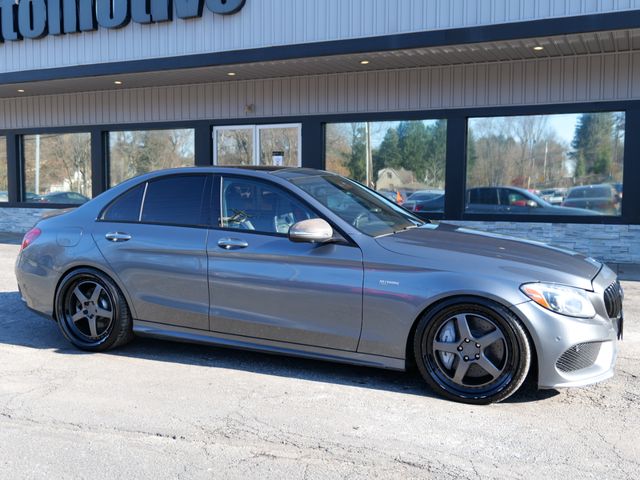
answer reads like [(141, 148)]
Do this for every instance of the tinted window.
[(261, 207), (125, 208), (485, 196), (175, 200)]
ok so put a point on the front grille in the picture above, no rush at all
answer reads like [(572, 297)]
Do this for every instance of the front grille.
[(613, 300), (579, 356)]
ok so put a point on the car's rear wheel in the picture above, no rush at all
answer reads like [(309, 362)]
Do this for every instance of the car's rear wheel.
[(91, 311), (471, 350)]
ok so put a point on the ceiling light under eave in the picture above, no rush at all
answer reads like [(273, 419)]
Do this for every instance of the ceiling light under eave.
[(117, 82), (364, 62), (231, 74), (538, 48), (20, 90)]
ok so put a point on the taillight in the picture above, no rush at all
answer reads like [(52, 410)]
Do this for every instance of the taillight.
[(30, 237), (417, 208)]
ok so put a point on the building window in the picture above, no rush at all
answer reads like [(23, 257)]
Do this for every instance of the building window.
[(4, 190), (133, 153), (405, 161), (566, 164), (267, 145), (57, 168)]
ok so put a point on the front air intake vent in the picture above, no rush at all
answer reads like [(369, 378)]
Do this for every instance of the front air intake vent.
[(613, 300), (579, 356)]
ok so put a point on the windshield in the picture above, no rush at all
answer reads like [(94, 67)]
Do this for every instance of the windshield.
[(369, 212)]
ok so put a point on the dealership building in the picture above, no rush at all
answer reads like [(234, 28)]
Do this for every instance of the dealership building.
[(512, 116)]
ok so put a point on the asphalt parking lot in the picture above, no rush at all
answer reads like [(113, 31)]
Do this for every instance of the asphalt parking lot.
[(165, 410)]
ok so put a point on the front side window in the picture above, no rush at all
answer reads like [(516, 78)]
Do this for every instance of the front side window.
[(4, 190), (565, 164), (57, 168), (133, 153), (260, 207), (404, 161), (369, 213)]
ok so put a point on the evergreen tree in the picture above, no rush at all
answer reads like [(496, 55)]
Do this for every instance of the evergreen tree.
[(356, 158), (593, 144), (388, 154), (413, 142)]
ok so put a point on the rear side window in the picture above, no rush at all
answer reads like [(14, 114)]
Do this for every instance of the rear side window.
[(126, 208), (484, 196), (175, 200)]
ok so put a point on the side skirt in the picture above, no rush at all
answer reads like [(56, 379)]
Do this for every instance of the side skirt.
[(188, 335)]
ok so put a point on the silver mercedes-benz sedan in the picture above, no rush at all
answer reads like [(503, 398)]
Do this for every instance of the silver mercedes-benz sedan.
[(309, 263)]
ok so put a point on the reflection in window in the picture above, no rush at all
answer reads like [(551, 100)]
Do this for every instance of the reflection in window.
[(234, 146), (133, 153), (4, 195), (569, 164), (269, 145), (57, 168), (279, 146), (404, 161)]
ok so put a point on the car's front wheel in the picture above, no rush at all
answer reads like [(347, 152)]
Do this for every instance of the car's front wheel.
[(472, 350), (91, 311)]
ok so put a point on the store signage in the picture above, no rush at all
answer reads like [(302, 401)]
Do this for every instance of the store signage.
[(38, 18)]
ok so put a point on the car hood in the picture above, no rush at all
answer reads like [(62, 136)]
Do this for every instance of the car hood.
[(452, 248)]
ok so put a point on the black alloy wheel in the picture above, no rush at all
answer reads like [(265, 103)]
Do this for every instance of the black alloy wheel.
[(91, 311), (472, 350)]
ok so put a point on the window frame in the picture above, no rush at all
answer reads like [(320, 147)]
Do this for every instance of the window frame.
[(256, 128), (107, 147), (20, 150), (577, 109)]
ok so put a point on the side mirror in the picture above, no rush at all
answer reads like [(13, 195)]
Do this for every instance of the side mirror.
[(315, 230)]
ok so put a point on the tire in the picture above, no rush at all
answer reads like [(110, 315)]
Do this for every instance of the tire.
[(91, 311), (472, 350)]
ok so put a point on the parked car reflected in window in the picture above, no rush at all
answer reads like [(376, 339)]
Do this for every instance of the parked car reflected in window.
[(425, 201), (600, 198), (513, 200), (72, 198)]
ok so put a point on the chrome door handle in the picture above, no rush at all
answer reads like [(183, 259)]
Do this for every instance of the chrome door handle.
[(117, 237), (232, 243)]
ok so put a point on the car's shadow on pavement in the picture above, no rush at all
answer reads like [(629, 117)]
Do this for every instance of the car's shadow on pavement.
[(19, 326)]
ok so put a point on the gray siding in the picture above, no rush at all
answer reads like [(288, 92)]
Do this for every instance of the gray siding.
[(592, 78), (263, 23)]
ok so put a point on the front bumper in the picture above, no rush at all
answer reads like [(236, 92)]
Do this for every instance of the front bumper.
[(574, 352)]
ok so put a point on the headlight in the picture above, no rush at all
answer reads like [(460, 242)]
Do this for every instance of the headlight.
[(569, 301)]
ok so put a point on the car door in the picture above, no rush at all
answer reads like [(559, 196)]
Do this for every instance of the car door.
[(154, 238), (262, 285)]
